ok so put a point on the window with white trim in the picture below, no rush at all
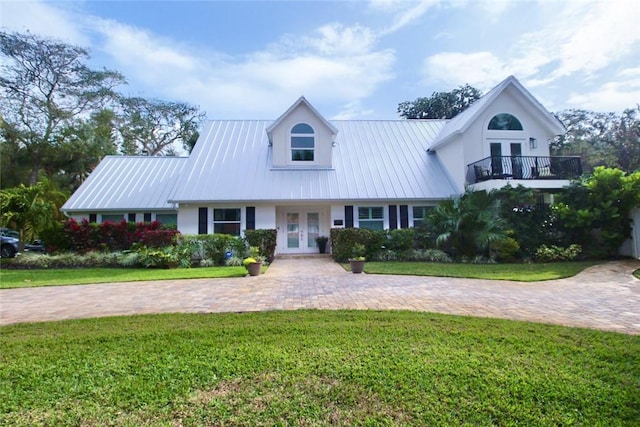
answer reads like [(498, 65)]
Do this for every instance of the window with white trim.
[(371, 217), (303, 142), (505, 121), (420, 214), (226, 221), (112, 217)]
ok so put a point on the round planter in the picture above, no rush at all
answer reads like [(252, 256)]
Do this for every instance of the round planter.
[(357, 266), (254, 268)]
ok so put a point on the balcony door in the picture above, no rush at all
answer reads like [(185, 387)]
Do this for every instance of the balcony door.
[(496, 159), (516, 160)]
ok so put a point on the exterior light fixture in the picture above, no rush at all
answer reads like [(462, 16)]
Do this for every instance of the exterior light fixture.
[(533, 143)]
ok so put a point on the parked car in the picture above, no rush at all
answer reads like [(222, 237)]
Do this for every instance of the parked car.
[(8, 246), (35, 246), (7, 232)]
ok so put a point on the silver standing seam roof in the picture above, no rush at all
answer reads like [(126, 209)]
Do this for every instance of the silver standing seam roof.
[(128, 183), (372, 160)]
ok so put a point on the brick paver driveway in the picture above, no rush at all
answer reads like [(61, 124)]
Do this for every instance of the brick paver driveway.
[(602, 297)]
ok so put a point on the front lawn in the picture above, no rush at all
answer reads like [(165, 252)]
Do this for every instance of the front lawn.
[(316, 368), (54, 277), (517, 272)]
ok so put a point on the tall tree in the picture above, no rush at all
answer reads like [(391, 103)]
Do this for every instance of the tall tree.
[(46, 85), (601, 139), (154, 127), (440, 105)]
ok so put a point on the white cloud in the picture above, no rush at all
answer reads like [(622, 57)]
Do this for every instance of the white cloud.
[(352, 110), (480, 69), (42, 19), (616, 95), (405, 12)]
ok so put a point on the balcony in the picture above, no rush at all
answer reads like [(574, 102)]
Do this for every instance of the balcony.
[(527, 168)]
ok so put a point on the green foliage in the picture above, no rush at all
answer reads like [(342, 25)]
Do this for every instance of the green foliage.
[(553, 253), (29, 210), (440, 105), (401, 239), (316, 368), (343, 241), (601, 139), (424, 255), (468, 225), (595, 211), (167, 257), (46, 87), (214, 247), (506, 249), (152, 126), (530, 221), (68, 260), (265, 239)]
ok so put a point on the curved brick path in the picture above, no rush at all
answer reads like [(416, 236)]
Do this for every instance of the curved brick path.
[(602, 297)]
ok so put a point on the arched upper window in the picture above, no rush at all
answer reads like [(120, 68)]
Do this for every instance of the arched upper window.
[(303, 143), (505, 121)]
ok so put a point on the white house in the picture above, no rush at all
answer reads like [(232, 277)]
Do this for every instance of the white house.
[(303, 174)]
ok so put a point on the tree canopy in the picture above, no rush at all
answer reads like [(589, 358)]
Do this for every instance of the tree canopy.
[(59, 117), (440, 105)]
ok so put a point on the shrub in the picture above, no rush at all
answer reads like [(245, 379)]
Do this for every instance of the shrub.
[(213, 247), (265, 239), (401, 239), (167, 257), (506, 249), (344, 239), (158, 238), (556, 253), (66, 260)]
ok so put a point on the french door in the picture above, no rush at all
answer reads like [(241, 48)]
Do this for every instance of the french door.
[(302, 228)]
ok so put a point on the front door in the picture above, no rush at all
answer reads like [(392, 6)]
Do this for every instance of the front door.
[(302, 228)]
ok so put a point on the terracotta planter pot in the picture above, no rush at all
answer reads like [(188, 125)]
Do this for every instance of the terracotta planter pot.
[(357, 266), (254, 268)]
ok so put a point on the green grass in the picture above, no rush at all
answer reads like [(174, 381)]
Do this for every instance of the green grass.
[(517, 272), (55, 277), (316, 368)]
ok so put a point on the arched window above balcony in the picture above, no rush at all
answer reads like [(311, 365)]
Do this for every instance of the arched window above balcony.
[(505, 121)]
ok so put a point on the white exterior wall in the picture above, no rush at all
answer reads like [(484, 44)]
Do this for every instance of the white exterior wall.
[(265, 217), (451, 156), (188, 219), (281, 138), (475, 143)]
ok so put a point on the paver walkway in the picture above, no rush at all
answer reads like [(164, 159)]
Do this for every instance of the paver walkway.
[(602, 297)]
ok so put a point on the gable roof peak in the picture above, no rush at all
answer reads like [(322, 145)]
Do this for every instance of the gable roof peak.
[(462, 121), (293, 107)]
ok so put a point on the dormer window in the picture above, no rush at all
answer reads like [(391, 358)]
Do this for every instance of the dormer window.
[(303, 142), (505, 121)]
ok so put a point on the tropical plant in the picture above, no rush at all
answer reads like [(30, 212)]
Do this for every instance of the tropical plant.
[(29, 210), (595, 211), (468, 225)]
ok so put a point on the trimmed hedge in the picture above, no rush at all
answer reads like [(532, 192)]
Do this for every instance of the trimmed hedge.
[(265, 239), (343, 241)]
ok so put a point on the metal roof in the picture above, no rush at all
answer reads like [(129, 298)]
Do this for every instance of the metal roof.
[(121, 183), (372, 160)]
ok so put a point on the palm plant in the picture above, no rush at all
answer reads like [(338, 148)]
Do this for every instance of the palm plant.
[(468, 225)]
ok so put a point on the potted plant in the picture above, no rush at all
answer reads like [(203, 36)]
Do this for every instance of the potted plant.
[(357, 258), (322, 243), (253, 263)]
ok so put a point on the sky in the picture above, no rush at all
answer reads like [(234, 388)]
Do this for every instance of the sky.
[(351, 59)]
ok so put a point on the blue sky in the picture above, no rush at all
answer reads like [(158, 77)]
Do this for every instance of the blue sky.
[(351, 59)]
